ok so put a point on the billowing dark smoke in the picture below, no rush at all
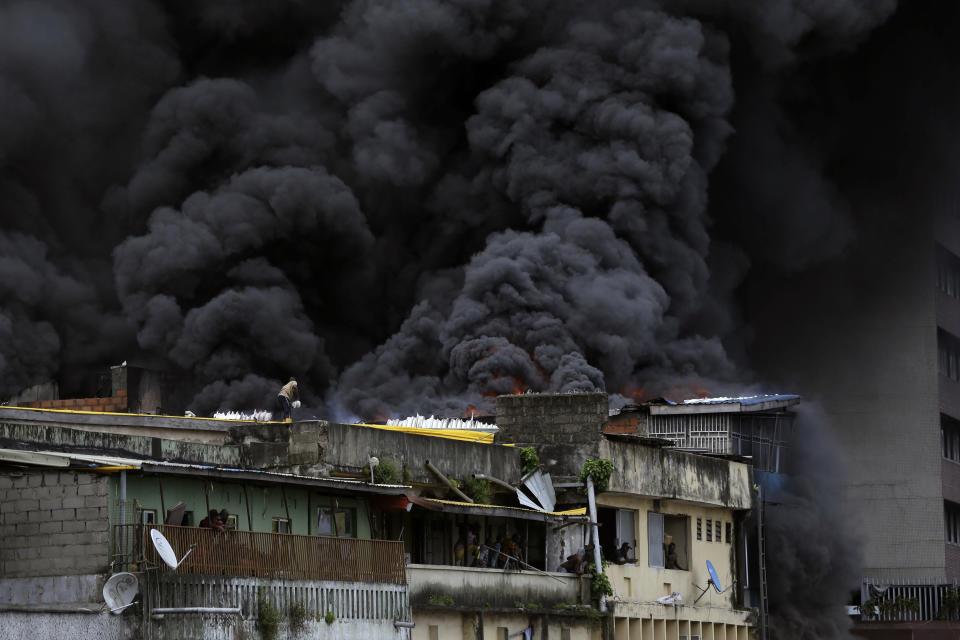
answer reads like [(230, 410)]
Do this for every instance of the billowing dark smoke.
[(411, 206), (813, 553)]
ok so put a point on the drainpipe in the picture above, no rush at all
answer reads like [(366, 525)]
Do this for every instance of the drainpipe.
[(592, 501), (447, 482), (123, 497), (509, 487)]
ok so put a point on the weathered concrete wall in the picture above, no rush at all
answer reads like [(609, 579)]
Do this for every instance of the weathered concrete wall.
[(53, 523), (17, 625), (85, 590), (183, 428), (565, 428), (58, 437), (667, 473), (479, 588), (495, 625), (350, 446), (232, 627)]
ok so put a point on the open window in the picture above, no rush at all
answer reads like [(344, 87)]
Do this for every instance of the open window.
[(340, 522), (668, 541)]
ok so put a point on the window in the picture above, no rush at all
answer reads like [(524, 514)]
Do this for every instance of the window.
[(709, 530), (729, 532), (948, 354), (716, 531), (626, 529), (699, 528), (148, 516), (951, 518), (231, 521), (337, 521), (948, 273), (950, 438), (187, 519), (667, 537), (280, 525)]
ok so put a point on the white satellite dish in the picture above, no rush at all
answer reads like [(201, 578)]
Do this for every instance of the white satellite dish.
[(120, 590), (166, 552)]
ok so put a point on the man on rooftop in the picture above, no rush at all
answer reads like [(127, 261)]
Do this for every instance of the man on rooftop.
[(289, 393)]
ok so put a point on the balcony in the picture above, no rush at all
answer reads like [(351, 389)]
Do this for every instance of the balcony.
[(262, 555)]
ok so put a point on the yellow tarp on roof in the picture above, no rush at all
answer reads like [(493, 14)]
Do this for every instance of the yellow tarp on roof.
[(582, 511), (454, 434)]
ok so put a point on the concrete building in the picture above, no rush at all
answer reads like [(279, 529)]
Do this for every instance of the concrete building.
[(874, 338), (315, 534)]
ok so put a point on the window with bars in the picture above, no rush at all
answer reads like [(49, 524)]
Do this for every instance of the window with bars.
[(729, 532), (948, 354), (717, 534), (950, 438), (709, 530), (699, 528), (951, 519), (948, 273)]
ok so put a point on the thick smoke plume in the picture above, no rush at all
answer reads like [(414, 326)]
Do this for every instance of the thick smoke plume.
[(408, 205), (813, 553)]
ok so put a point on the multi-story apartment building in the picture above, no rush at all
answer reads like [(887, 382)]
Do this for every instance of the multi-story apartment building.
[(873, 338)]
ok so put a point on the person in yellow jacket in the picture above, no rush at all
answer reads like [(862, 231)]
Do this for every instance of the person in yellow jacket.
[(289, 394)]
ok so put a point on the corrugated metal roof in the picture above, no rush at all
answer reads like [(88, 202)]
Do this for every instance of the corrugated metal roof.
[(581, 511), (61, 459), (744, 400)]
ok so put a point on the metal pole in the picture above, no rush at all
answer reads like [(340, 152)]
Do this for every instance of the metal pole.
[(592, 502)]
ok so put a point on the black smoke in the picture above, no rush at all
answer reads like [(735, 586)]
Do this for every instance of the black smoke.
[(409, 206)]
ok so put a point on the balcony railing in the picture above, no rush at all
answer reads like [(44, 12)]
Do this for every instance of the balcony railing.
[(264, 555)]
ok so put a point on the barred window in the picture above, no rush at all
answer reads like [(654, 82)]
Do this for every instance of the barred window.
[(709, 530), (948, 273), (951, 518), (729, 532), (699, 528), (950, 438), (948, 354), (717, 533)]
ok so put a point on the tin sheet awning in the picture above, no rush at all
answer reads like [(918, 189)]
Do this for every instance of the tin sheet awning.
[(742, 404), (466, 435), (496, 510), (94, 462)]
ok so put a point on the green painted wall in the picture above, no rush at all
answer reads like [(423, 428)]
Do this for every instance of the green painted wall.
[(266, 502)]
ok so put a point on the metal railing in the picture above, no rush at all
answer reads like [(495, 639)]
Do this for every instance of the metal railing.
[(263, 555), (910, 600)]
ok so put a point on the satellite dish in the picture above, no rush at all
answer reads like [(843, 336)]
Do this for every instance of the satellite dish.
[(166, 552), (164, 549), (120, 590), (714, 578)]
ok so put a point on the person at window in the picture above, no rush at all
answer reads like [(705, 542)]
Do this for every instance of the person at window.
[(212, 521), (288, 394), (574, 563), (224, 518), (671, 559), (458, 550), (623, 554)]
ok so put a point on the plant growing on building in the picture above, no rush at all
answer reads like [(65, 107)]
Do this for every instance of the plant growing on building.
[(889, 608), (600, 470), (407, 474), (481, 491), (268, 618), (599, 582), (298, 616), (949, 604), (528, 459), (440, 601), (330, 617), (387, 472)]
